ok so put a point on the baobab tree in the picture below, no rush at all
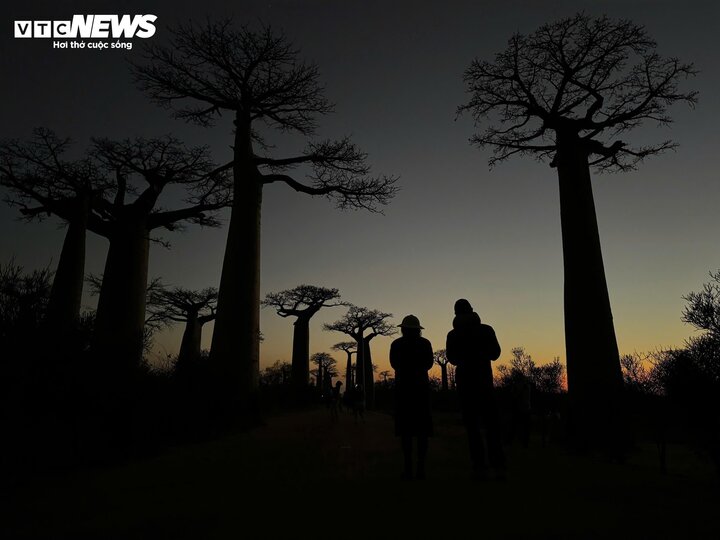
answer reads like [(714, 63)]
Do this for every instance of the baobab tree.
[(194, 308), (143, 169), (349, 348), (302, 302), (41, 181), (355, 323), (258, 78), (326, 369), (565, 94), (441, 360)]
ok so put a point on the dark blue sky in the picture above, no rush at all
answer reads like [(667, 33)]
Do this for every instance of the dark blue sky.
[(456, 228)]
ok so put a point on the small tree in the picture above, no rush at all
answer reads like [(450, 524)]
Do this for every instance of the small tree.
[(24, 297), (302, 302), (564, 94), (442, 361), (276, 375), (257, 77)]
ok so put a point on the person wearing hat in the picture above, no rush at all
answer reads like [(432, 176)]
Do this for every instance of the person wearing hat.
[(471, 347), (411, 356)]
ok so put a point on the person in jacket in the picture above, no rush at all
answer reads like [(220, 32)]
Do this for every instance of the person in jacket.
[(411, 356), (471, 347)]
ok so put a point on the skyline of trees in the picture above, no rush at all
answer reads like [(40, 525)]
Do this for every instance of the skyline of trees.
[(568, 96), (257, 76)]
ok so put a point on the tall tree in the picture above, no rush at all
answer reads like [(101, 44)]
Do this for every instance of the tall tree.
[(564, 94), (143, 169), (256, 76), (302, 302), (194, 308), (355, 323), (349, 348), (41, 181), (441, 360)]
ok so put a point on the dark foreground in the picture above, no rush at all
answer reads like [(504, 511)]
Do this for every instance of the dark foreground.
[(303, 473)]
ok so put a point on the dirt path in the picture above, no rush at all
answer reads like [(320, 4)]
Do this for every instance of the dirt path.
[(304, 472)]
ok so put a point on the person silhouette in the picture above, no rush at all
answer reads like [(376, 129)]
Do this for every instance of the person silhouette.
[(358, 402), (471, 346), (335, 400), (411, 356)]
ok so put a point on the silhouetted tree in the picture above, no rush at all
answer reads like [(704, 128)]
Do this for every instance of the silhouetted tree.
[(564, 94), (277, 374), (442, 361), (349, 348), (326, 367), (703, 307), (257, 76), (144, 168), (24, 297), (355, 323), (302, 302), (194, 308), (154, 322), (41, 181), (636, 373)]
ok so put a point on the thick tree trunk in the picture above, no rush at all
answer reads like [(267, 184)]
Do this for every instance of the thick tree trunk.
[(190, 345), (444, 377), (593, 363), (368, 375), (63, 311), (120, 319), (301, 353), (348, 373), (234, 353)]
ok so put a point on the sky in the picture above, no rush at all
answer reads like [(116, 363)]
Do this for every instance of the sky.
[(457, 228)]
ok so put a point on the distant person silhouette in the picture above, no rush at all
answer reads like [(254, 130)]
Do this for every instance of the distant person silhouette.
[(471, 346), (335, 400), (358, 402), (411, 356)]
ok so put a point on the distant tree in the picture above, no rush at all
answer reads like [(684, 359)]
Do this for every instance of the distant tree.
[(548, 378), (564, 94), (256, 76), (277, 374), (194, 308), (637, 376), (302, 302), (326, 367), (442, 361), (349, 348), (40, 180), (355, 323)]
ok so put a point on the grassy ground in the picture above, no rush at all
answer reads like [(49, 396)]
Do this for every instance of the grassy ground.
[(303, 473)]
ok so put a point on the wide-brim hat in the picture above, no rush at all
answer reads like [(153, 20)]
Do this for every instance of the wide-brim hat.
[(411, 321)]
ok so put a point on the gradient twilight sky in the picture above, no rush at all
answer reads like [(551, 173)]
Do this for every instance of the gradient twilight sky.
[(457, 229)]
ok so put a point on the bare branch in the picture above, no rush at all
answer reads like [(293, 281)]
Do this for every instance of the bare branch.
[(591, 77)]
